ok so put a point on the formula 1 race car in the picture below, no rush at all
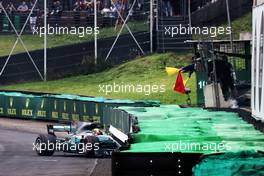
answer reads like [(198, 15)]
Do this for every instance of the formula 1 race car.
[(81, 138)]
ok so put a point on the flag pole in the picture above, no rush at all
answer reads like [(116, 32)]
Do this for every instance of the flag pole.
[(151, 26), (231, 33), (189, 12), (45, 40), (95, 34)]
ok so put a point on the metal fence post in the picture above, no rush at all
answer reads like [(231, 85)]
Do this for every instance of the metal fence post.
[(231, 34), (151, 26), (190, 14), (95, 34), (45, 40)]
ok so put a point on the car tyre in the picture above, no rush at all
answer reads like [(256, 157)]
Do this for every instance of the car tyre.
[(42, 142)]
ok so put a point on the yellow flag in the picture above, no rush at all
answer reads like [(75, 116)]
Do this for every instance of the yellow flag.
[(172, 71)]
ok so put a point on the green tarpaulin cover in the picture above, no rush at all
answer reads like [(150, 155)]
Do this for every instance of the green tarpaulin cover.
[(174, 129), (231, 164)]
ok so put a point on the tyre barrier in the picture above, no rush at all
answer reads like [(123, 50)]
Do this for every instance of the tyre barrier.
[(163, 143)]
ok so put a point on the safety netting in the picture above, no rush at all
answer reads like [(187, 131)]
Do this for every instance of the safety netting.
[(193, 130)]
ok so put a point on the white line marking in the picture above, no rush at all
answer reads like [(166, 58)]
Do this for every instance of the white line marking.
[(95, 164)]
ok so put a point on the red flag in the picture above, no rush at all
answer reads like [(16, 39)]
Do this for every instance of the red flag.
[(179, 85)]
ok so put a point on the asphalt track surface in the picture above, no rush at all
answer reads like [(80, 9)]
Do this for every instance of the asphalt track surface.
[(17, 158)]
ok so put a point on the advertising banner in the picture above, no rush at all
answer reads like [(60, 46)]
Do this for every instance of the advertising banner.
[(54, 108), (66, 108), (75, 110), (27, 106), (13, 106), (2, 105), (42, 109)]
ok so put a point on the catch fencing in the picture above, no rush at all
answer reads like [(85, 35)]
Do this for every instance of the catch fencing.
[(123, 34), (71, 59)]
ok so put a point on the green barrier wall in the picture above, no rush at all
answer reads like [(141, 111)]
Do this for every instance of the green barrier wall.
[(5, 25), (2, 105), (17, 22), (60, 107)]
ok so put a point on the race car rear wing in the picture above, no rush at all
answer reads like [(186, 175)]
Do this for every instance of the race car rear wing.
[(58, 128), (118, 134), (121, 138)]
